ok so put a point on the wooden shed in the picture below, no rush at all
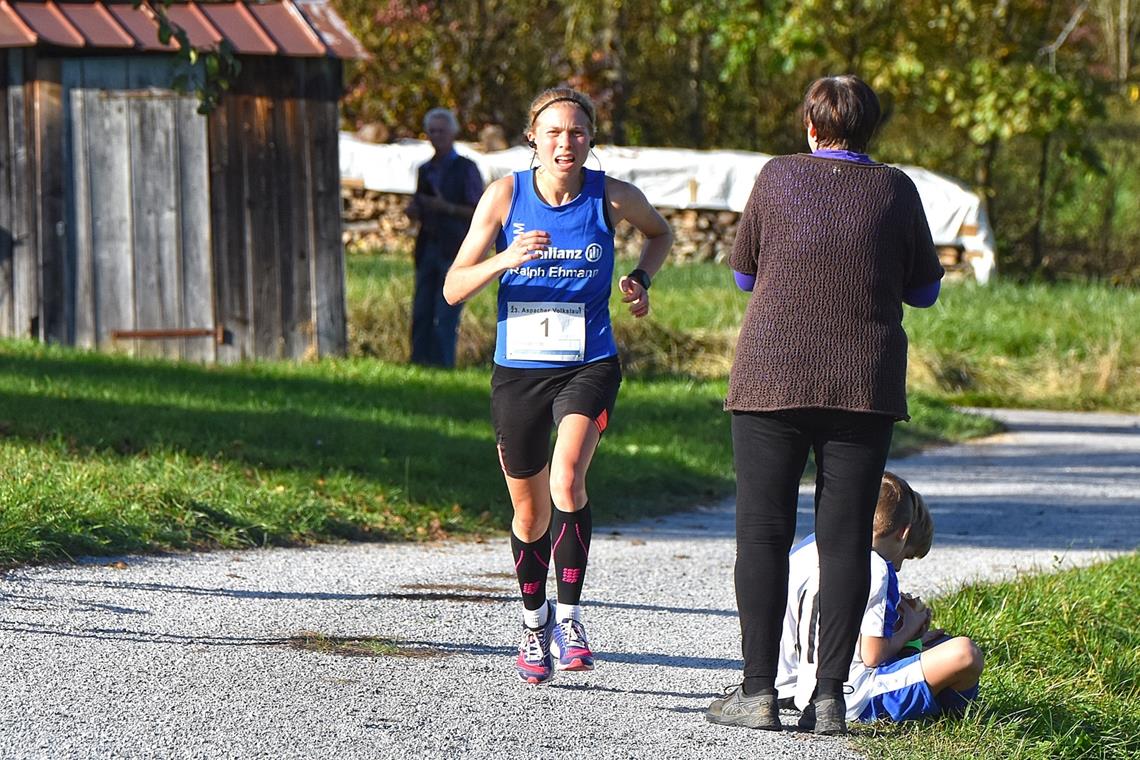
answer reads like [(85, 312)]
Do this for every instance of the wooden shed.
[(130, 222)]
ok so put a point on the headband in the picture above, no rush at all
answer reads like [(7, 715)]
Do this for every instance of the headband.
[(563, 99)]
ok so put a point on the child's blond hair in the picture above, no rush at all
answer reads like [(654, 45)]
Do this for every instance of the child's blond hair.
[(898, 506)]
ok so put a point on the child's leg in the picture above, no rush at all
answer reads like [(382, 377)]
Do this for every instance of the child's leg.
[(952, 668), (942, 679), (955, 664)]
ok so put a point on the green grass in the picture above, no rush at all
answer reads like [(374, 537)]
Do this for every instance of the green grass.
[(1059, 346), (105, 454), (1062, 675)]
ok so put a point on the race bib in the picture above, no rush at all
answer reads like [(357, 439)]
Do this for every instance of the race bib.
[(544, 331)]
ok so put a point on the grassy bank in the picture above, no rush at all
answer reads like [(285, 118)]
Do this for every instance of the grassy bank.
[(104, 454), (1062, 677), (1061, 346)]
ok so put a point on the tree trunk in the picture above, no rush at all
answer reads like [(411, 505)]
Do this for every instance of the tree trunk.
[(1042, 202), (616, 49), (697, 59), (984, 179)]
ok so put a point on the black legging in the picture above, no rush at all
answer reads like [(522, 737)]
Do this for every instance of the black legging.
[(770, 451)]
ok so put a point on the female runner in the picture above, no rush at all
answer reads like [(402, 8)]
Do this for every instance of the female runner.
[(556, 363)]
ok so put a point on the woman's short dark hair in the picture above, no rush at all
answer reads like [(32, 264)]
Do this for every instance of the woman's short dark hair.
[(844, 111)]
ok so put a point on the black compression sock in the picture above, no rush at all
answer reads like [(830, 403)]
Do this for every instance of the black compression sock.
[(571, 532), (531, 562)]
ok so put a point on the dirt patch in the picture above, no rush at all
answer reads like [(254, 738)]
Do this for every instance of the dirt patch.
[(368, 646)]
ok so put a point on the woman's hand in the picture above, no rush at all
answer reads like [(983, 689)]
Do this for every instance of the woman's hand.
[(635, 295), (523, 249)]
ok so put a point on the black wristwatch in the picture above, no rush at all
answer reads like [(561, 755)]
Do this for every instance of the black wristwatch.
[(641, 276)]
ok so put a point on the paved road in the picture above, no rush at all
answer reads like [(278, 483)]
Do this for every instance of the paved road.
[(190, 656)]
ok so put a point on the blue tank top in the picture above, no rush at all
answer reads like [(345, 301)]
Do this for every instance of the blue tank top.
[(555, 311)]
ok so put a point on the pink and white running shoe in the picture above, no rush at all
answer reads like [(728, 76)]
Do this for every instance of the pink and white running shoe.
[(569, 647), (534, 663)]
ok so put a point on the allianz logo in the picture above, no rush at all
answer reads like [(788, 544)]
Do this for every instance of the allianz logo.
[(591, 253)]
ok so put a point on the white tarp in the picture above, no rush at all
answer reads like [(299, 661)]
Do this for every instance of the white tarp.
[(677, 178)]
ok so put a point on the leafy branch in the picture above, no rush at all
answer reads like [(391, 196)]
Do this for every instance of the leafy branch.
[(206, 72)]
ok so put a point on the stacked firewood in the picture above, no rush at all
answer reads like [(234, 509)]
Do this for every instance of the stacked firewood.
[(376, 221)]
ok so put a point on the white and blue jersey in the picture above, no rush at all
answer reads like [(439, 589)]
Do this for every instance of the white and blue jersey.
[(799, 640), (554, 311)]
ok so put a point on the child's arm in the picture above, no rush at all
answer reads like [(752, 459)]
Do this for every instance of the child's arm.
[(875, 650)]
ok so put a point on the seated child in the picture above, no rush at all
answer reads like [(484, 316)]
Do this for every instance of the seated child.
[(901, 670)]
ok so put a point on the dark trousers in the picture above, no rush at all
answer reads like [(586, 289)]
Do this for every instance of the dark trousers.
[(435, 323), (770, 451)]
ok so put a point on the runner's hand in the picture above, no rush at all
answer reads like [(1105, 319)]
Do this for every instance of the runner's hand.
[(636, 296), (524, 248)]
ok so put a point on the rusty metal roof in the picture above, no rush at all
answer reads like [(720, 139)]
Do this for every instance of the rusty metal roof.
[(97, 25), (290, 28), (141, 25), (13, 31)]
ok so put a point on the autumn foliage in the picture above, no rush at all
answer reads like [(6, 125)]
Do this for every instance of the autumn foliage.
[(1033, 102)]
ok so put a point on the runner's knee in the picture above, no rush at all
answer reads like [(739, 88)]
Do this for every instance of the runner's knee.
[(529, 525), (567, 490)]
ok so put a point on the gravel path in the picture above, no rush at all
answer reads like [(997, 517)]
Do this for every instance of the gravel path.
[(190, 656)]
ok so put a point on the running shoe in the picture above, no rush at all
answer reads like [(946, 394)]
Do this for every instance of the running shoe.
[(736, 708), (569, 646), (534, 664), (825, 715)]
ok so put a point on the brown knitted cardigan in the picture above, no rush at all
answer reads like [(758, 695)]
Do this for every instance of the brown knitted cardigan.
[(833, 245)]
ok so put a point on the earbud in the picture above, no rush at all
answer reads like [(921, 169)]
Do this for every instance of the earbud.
[(532, 144), (593, 142)]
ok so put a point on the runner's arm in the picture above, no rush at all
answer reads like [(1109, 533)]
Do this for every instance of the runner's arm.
[(471, 272), (629, 203)]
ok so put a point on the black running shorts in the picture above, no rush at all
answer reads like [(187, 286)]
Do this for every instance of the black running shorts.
[(526, 405)]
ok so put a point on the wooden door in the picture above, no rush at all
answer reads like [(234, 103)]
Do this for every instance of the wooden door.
[(138, 200)]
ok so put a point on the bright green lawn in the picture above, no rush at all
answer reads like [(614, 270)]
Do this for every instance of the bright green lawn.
[(1062, 676), (105, 454), (1058, 346)]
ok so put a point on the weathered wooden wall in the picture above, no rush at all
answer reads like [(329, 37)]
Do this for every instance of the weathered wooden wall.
[(135, 184), (124, 210), (275, 206), (19, 262)]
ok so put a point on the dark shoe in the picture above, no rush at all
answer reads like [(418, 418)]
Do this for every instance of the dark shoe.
[(826, 716), (738, 709), (807, 718)]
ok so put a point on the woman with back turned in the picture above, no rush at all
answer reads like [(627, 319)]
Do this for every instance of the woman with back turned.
[(831, 245)]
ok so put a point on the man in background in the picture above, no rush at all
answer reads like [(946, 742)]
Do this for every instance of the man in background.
[(447, 189)]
